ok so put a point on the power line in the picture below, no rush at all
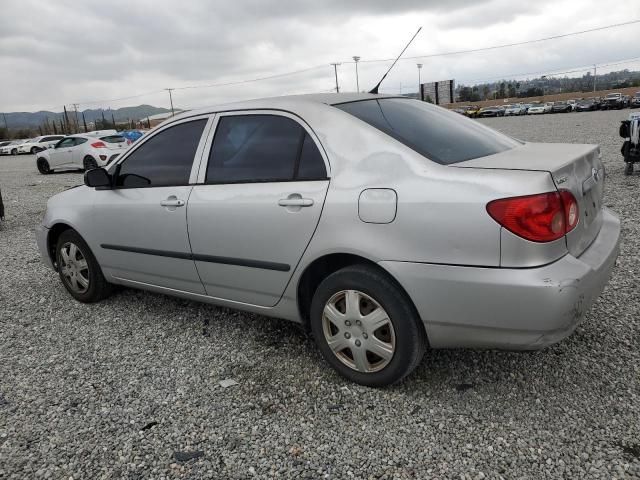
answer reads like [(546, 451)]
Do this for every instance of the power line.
[(575, 69), (506, 45), (316, 67)]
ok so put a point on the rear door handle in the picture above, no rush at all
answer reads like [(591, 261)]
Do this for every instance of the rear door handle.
[(172, 202), (295, 202)]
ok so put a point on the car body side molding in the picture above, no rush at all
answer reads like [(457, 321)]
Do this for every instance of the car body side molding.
[(281, 267)]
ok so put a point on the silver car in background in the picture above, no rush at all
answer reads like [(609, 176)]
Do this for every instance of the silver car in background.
[(385, 225)]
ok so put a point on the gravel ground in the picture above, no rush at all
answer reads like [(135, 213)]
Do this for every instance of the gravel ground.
[(128, 388)]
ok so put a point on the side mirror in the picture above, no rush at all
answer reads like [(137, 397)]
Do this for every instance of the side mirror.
[(97, 178)]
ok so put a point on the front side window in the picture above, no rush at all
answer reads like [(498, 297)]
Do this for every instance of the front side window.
[(433, 132), (67, 142), (163, 160), (262, 148)]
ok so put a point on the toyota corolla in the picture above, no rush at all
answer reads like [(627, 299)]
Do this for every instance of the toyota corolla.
[(385, 225)]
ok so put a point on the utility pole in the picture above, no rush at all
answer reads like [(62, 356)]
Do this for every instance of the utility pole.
[(6, 125), (171, 99), (595, 70), (75, 107), (419, 65), (357, 59), (335, 69)]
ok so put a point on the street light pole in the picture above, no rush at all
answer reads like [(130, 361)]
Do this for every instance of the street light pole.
[(595, 70), (419, 65), (357, 59), (171, 99), (335, 69)]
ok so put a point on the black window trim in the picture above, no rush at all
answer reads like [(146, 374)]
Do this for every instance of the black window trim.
[(197, 158), (306, 129)]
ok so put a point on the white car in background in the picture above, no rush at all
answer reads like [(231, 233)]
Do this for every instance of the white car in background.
[(515, 109), (82, 151), (539, 108), (12, 147), (38, 144)]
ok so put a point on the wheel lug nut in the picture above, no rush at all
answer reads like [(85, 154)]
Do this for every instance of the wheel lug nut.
[(365, 336), (347, 335), (347, 323), (358, 322), (358, 343)]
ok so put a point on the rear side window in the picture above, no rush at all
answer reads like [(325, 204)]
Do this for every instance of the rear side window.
[(113, 139), (434, 132), (263, 148), (165, 159), (79, 141)]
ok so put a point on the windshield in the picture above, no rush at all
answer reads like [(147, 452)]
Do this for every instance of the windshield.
[(434, 132)]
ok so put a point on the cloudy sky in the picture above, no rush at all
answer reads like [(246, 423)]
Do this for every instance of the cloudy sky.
[(95, 53)]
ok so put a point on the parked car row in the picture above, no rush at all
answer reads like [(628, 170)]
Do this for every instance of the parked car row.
[(611, 101)]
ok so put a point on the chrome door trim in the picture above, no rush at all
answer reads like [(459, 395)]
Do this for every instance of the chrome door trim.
[(281, 113)]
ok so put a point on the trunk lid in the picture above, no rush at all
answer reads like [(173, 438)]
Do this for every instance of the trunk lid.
[(576, 168)]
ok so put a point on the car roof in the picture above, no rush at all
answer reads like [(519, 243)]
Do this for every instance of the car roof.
[(284, 102)]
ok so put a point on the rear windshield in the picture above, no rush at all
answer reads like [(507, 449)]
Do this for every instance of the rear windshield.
[(434, 132), (113, 139)]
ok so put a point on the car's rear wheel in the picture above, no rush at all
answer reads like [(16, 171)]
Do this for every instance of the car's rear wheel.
[(89, 163), (14, 151), (366, 327), (43, 166), (34, 150), (79, 270)]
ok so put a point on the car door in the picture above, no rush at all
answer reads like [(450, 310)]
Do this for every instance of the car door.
[(257, 203), (140, 225), (62, 153)]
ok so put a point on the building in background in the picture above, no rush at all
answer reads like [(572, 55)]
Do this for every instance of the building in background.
[(440, 93)]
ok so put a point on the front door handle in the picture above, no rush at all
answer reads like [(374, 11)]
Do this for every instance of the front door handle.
[(295, 202), (172, 202)]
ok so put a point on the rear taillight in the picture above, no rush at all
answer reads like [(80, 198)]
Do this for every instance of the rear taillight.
[(540, 218), (98, 145)]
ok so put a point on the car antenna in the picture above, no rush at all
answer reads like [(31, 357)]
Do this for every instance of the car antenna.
[(374, 90)]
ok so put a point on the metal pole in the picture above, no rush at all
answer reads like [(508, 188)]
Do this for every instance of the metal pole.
[(171, 99), (357, 59), (6, 125), (419, 79), (595, 70), (335, 70), (75, 107)]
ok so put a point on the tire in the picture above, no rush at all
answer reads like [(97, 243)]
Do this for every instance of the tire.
[(14, 151), (89, 163), (398, 333), (79, 270), (628, 168), (34, 150), (43, 166)]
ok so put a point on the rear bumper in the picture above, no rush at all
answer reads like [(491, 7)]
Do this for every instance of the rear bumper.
[(526, 308)]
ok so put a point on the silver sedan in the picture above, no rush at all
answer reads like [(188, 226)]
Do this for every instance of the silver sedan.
[(384, 225)]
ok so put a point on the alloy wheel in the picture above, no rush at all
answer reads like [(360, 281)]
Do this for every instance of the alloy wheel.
[(74, 267), (358, 331)]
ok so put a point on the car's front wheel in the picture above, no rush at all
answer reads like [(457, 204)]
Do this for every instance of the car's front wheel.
[(34, 150), (366, 327), (43, 166), (79, 270), (14, 151)]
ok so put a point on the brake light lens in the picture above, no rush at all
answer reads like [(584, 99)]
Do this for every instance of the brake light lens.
[(544, 217), (98, 145)]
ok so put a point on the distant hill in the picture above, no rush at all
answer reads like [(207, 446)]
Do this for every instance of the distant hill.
[(17, 120)]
